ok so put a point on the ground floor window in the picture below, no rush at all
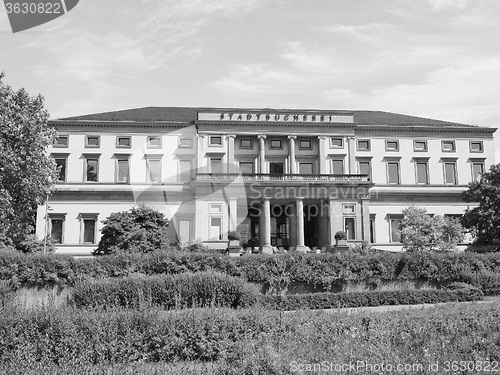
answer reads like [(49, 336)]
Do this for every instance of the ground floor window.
[(56, 230), (350, 227), (88, 226), (216, 228), (395, 229)]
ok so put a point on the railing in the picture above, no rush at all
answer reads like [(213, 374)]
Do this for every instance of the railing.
[(282, 177)]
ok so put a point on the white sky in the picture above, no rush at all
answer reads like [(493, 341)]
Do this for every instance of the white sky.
[(431, 58)]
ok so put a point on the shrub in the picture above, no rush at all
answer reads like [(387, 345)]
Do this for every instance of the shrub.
[(233, 235), (372, 298), (199, 289), (139, 230)]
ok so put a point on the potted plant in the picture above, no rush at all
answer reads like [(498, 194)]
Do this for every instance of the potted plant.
[(233, 245), (341, 238)]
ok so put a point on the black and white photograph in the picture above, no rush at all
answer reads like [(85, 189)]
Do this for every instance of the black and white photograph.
[(229, 187)]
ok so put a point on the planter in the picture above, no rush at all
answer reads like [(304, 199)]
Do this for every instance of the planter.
[(234, 248)]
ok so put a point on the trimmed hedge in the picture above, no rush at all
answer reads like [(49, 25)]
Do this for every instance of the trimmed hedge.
[(373, 298), (201, 289), (316, 269)]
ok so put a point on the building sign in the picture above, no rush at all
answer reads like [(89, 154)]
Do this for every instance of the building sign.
[(319, 117)]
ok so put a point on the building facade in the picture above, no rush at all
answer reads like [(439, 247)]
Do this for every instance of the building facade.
[(287, 179)]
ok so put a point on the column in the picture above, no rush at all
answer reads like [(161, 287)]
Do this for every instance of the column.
[(291, 153), (300, 226), (335, 219), (262, 153), (322, 154), (265, 227), (365, 209), (230, 153), (233, 213), (352, 155), (199, 155)]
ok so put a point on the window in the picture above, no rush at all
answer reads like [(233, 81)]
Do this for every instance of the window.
[(215, 208), (476, 146), (372, 228), (395, 229), (91, 173), (215, 165), (275, 143), (56, 227), (448, 146), (153, 169), (349, 209), (62, 141), (450, 173), (337, 166), (88, 228), (184, 170), (123, 142), (276, 168), (246, 143), (185, 142), (393, 173), (88, 231), (305, 168), (305, 144), (350, 227), (215, 140), (246, 167), (154, 141), (477, 169), (391, 145), (364, 145), (61, 165), (184, 232), (422, 172), (92, 141), (364, 167), (216, 228), (336, 142), (122, 168), (419, 146)]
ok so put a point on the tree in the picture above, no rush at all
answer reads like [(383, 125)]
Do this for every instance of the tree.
[(27, 173), (423, 232), (483, 221), (139, 230)]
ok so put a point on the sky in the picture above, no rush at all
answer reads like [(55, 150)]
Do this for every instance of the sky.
[(430, 58)]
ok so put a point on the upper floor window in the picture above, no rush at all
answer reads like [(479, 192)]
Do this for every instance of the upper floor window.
[(337, 166), (393, 172), (153, 168), (92, 141), (305, 144), (154, 141), (420, 146), (246, 143), (215, 140), (186, 142), (336, 142), (422, 173), (364, 167), (363, 145), (448, 146), (215, 165), (276, 144), (476, 146), (305, 168), (122, 168), (123, 142), (450, 173), (391, 145), (61, 165), (62, 141), (91, 168), (246, 167), (477, 170)]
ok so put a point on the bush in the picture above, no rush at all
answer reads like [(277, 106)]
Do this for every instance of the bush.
[(233, 235), (372, 298), (340, 235), (201, 289), (139, 230)]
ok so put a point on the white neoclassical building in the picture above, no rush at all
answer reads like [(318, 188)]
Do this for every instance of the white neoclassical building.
[(283, 178)]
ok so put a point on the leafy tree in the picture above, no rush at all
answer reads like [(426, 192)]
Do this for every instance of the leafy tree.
[(483, 221), (423, 232), (27, 173), (139, 230)]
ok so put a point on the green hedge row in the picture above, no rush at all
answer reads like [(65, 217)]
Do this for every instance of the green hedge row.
[(200, 289), (481, 270), (372, 298)]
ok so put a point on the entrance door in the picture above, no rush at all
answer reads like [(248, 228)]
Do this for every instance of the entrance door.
[(276, 168), (311, 226)]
